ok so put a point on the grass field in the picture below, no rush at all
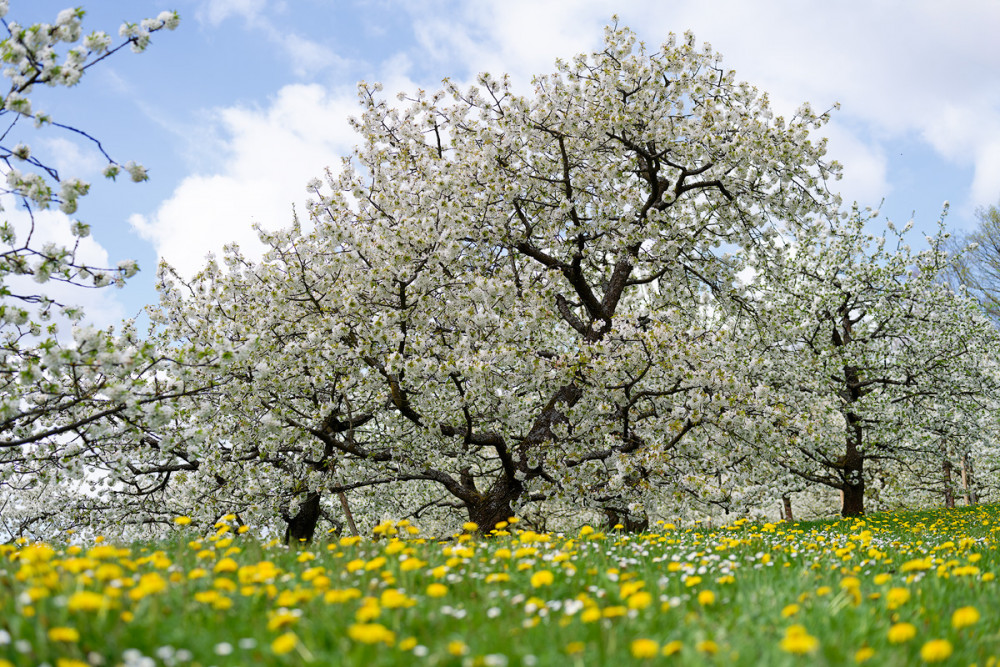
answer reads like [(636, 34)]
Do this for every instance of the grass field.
[(891, 589)]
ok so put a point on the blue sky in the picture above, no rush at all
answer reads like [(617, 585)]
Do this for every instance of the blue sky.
[(238, 108)]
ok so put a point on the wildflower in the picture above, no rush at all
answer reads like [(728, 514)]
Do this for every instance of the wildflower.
[(437, 590), (284, 643), (281, 619), (575, 648), (964, 617), (798, 641), (371, 633), (62, 634), (863, 654), (706, 598), (60, 662), (707, 646), (917, 565), (226, 565), (902, 632), (936, 650), (645, 648), (790, 610), (457, 647), (897, 597), (87, 601), (641, 600), (671, 648), (393, 598), (541, 578), (470, 526)]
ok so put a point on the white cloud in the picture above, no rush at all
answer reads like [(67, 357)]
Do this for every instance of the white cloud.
[(307, 56), (215, 12), (69, 160), (865, 168), (901, 69), (272, 154)]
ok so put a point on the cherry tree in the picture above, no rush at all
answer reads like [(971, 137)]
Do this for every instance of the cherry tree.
[(59, 391), (867, 329), (502, 299)]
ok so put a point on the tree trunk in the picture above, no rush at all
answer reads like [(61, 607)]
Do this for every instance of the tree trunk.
[(302, 526), (853, 470), (968, 483), (629, 522), (949, 492), (494, 506), (786, 506), (347, 513)]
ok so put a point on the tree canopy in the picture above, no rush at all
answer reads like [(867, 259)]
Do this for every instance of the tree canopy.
[(628, 291)]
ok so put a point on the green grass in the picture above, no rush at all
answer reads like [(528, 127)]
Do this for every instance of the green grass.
[(777, 594)]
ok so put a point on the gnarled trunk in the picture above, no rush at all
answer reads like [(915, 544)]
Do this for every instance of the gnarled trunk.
[(496, 505), (302, 526), (630, 523), (854, 473)]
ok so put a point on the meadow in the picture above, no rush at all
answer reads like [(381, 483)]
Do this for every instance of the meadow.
[(889, 589)]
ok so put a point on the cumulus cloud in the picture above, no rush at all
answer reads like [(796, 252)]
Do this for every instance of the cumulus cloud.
[(271, 155), (900, 69), (913, 71)]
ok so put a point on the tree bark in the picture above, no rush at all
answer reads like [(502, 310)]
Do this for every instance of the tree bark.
[(629, 523), (968, 482), (854, 477), (490, 508), (302, 526), (786, 507), (347, 513), (949, 492)]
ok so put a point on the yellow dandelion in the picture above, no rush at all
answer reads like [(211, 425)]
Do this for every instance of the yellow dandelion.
[(62, 634), (790, 610), (672, 648), (641, 600), (864, 654), (645, 648), (936, 650), (707, 646), (284, 643), (798, 641), (371, 633), (87, 601), (541, 578), (436, 590), (964, 617), (902, 632)]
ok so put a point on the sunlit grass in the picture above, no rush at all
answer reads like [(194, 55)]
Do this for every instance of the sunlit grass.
[(891, 589)]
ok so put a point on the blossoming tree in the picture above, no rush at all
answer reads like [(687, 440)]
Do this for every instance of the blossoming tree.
[(58, 392), (870, 331), (510, 298)]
